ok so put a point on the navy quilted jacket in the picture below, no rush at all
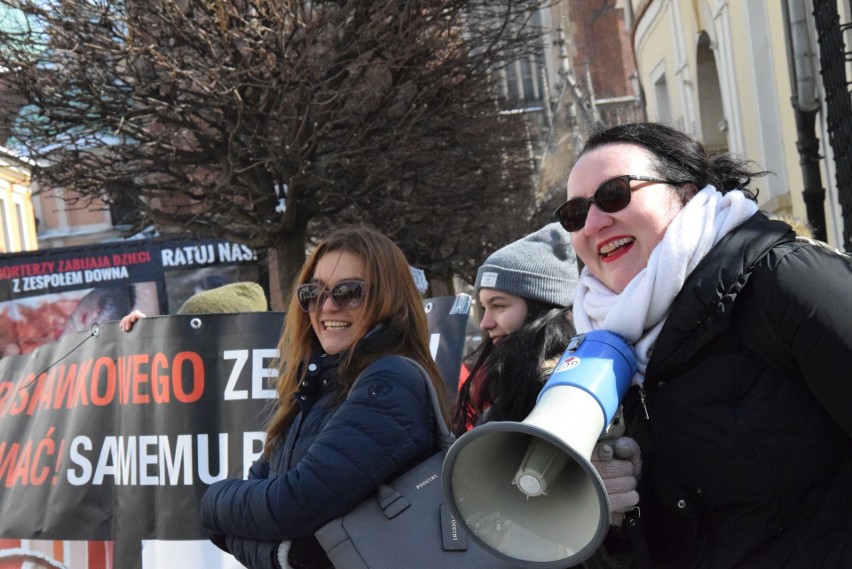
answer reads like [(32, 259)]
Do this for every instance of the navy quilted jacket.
[(333, 457)]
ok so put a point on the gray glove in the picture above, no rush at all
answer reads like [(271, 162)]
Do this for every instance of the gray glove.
[(619, 463)]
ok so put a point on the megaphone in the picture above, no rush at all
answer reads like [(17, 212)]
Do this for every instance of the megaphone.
[(527, 491)]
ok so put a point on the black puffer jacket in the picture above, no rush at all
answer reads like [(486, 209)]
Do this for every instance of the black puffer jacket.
[(338, 455), (748, 446)]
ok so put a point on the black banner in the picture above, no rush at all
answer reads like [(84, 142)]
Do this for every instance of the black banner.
[(112, 436), (46, 294), (108, 439), (448, 317)]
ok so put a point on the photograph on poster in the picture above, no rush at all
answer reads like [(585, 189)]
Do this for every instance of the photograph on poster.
[(50, 554)]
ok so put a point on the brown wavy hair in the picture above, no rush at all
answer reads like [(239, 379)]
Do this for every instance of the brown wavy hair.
[(391, 299)]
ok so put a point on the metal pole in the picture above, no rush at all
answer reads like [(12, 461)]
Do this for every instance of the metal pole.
[(806, 105)]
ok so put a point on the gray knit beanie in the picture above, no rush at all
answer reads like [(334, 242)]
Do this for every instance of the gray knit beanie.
[(541, 266)]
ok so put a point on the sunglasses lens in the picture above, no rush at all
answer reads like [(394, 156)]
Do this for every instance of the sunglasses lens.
[(307, 295), (348, 294), (345, 295), (613, 195), (572, 214), (610, 197)]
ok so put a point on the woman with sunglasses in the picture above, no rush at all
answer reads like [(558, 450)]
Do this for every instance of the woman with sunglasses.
[(743, 337), (330, 445)]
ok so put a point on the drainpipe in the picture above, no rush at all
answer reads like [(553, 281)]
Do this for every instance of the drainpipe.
[(806, 104)]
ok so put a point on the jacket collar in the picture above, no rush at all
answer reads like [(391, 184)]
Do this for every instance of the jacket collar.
[(704, 307), (321, 367)]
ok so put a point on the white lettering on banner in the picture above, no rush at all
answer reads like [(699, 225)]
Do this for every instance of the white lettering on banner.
[(207, 254), (182, 455), (231, 252), (240, 358), (29, 284), (434, 344), (81, 443), (108, 274), (259, 373), (204, 465), (189, 255), (148, 460)]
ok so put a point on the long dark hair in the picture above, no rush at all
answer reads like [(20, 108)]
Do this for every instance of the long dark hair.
[(678, 156), (505, 378)]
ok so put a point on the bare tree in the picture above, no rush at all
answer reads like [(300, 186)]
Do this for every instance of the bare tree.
[(266, 122)]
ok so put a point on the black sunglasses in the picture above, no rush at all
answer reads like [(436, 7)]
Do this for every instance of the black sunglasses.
[(611, 196), (346, 295)]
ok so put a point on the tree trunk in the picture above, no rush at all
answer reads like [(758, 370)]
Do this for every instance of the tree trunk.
[(286, 259)]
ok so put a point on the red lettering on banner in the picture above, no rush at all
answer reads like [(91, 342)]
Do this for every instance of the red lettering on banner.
[(45, 447), (27, 270), (32, 462), (140, 378), (160, 381), (20, 397), (80, 264), (109, 389), (6, 388), (42, 392), (136, 258), (79, 394), (22, 468), (124, 378), (197, 377), (69, 386), (64, 385), (137, 379), (8, 461)]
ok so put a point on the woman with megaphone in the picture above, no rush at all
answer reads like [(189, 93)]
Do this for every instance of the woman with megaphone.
[(743, 339), (526, 290)]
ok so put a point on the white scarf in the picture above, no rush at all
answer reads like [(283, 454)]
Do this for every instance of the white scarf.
[(639, 312)]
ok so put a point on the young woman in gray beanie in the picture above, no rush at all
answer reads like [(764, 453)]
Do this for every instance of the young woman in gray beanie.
[(526, 290)]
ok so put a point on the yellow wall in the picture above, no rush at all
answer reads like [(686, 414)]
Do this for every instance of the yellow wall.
[(731, 88), (17, 221)]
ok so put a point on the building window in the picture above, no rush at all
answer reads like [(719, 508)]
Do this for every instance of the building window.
[(7, 231), (22, 227), (124, 208), (521, 80), (661, 94)]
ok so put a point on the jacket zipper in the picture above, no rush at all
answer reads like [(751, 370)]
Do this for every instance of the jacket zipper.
[(643, 400), (292, 448)]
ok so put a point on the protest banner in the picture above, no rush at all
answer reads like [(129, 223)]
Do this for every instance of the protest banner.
[(108, 436), (45, 294), (108, 439), (448, 317)]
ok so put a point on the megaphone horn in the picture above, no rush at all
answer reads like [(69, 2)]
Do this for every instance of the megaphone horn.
[(527, 491)]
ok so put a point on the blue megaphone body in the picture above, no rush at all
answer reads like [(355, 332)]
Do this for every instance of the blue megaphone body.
[(527, 491)]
